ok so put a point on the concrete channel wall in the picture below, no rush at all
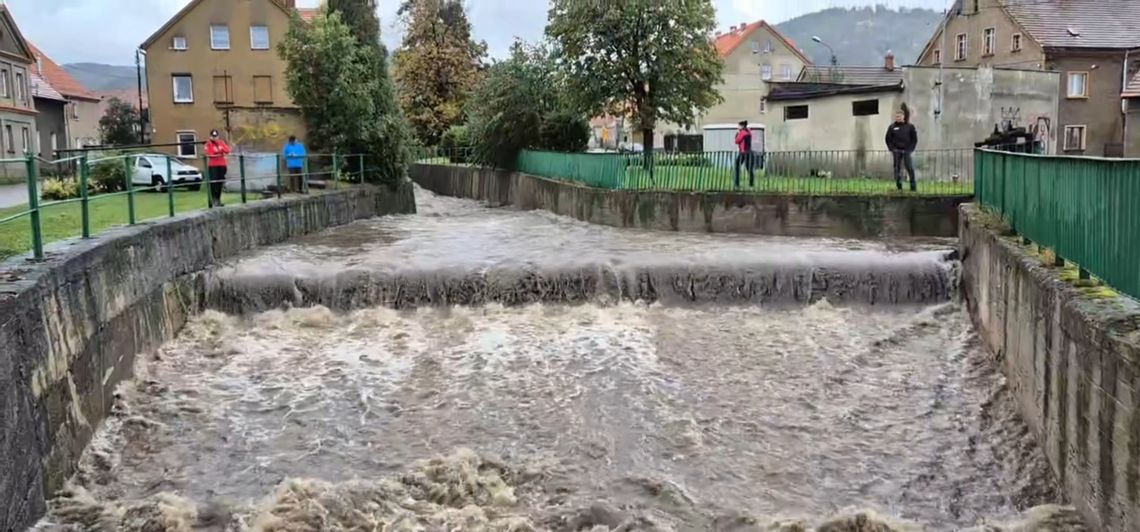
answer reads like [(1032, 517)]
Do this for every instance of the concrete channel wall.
[(770, 214), (70, 326), (1071, 359)]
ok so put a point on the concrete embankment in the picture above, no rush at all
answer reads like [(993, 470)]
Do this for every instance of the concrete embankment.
[(1071, 359), (851, 216), (70, 326)]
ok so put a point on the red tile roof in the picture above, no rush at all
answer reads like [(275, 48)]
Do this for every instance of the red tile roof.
[(308, 14), (728, 42), (59, 79)]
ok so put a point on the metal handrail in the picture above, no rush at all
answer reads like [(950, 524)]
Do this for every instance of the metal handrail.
[(342, 167)]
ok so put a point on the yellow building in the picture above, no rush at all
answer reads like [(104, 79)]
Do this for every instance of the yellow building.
[(754, 55), (215, 66)]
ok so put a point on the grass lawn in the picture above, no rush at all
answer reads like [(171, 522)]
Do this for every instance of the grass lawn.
[(715, 179), (65, 221)]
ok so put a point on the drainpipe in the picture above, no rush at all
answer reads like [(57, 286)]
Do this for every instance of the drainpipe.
[(138, 74), (1124, 105)]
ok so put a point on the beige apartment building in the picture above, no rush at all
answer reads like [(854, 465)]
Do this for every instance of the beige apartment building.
[(1093, 44), (215, 66), (755, 55)]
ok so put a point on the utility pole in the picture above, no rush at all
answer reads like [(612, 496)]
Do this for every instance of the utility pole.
[(138, 74)]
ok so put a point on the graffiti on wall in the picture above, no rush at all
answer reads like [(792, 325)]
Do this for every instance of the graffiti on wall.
[(259, 130), (1033, 132)]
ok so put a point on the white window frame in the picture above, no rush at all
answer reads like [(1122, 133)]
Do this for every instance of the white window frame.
[(25, 139), (21, 90), (174, 86), (74, 110), (768, 46), (961, 46), (766, 72), (178, 43), (989, 41), (253, 39), (215, 34), (193, 144), (5, 84), (1084, 76), (1084, 138), (1016, 42), (786, 72), (937, 56)]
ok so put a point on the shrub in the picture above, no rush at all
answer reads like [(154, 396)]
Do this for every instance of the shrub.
[(683, 160), (455, 142), (563, 131), (59, 189), (108, 175)]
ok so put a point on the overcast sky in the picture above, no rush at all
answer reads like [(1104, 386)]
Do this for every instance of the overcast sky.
[(108, 31)]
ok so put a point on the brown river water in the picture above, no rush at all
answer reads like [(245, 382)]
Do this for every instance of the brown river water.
[(610, 415)]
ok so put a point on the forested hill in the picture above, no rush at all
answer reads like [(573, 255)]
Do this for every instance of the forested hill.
[(862, 36)]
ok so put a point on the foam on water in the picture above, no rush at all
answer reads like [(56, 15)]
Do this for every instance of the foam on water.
[(547, 417)]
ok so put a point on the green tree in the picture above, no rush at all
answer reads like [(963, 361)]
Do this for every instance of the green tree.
[(649, 60), (345, 94), (436, 66), (506, 109), (360, 15), (119, 124)]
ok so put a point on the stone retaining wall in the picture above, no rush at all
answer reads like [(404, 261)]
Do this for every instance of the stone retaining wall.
[(771, 214), (70, 326), (1071, 358)]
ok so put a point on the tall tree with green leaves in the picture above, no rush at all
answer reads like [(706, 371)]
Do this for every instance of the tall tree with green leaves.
[(436, 66), (649, 60), (520, 104), (119, 124), (345, 94), (360, 15)]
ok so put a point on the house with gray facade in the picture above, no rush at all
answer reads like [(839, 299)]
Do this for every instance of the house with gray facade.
[(17, 108), (844, 124), (51, 117), (1094, 46)]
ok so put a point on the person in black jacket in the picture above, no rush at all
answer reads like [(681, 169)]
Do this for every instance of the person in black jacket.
[(902, 139)]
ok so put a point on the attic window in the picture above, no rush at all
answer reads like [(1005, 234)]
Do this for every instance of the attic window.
[(178, 43)]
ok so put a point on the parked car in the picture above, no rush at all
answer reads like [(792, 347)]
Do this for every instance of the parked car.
[(150, 171)]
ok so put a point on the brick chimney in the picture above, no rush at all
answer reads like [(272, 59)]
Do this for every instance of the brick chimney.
[(889, 62)]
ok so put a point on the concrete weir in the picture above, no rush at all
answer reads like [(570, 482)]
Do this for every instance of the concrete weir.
[(1071, 361), (71, 325), (836, 216)]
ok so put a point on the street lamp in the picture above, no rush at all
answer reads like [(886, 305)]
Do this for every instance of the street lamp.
[(834, 59)]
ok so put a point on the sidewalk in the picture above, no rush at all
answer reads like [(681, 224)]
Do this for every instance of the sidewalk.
[(13, 195)]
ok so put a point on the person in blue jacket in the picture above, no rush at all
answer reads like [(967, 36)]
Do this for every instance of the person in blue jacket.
[(294, 154)]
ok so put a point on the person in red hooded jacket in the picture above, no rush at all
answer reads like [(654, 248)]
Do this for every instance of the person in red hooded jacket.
[(216, 152), (744, 155)]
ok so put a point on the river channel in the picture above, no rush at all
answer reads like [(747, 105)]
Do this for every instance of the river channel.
[(681, 413)]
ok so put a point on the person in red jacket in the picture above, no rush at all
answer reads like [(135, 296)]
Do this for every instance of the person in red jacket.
[(216, 152), (744, 155)]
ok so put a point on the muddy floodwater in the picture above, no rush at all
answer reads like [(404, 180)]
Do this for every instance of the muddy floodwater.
[(615, 416)]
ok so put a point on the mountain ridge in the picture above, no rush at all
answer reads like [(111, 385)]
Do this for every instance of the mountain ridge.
[(863, 35)]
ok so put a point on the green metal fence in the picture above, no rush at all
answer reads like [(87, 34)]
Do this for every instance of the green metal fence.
[(81, 195), (1084, 209), (938, 172)]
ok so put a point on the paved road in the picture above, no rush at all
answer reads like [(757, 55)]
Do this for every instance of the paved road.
[(13, 195)]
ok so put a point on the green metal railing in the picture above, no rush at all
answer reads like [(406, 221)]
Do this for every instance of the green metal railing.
[(258, 176), (937, 172), (1082, 208)]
